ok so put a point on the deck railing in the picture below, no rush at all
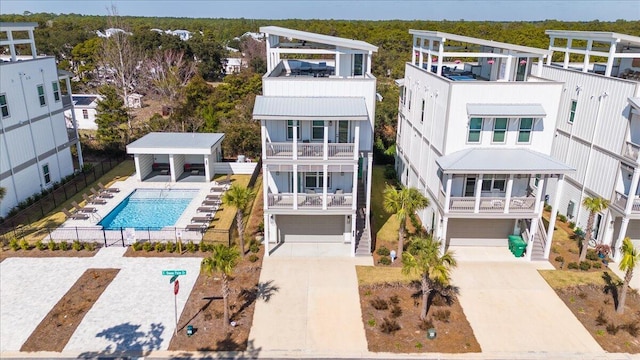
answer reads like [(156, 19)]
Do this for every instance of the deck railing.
[(309, 201), (632, 150), (466, 204), (620, 200), (284, 150)]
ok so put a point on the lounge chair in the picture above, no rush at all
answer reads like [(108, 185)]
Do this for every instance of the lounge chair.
[(214, 197), (211, 202), (201, 219), (196, 227), (76, 216), (81, 209), (95, 201), (207, 209), (101, 194), (218, 189), (109, 190)]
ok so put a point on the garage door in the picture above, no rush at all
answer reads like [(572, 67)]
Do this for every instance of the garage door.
[(479, 232), (324, 228)]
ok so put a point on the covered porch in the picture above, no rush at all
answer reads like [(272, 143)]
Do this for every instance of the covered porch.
[(174, 157)]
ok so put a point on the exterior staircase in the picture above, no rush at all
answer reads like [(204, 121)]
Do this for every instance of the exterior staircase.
[(540, 238), (363, 233)]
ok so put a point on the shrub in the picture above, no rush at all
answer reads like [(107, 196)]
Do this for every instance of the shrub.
[(64, 246), (191, 247), (159, 247), (632, 328), (418, 345), (383, 251), (596, 265), (14, 244), (76, 245), (253, 258), (147, 246), (379, 304), (389, 326), (137, 246), (591, 255), (24, 244), (442, 315), (559, 258), (612, 328), (585, 265), (547, 207), (573, 265), (385, 260), (40, 245), (601, 319), (254, 248), (260, 228), (425, 324), (578, 233), (170, 247), (371, 322), (394, 299), (396, 311), (203, 246), (52, 245), (572, 225), (390, 172), (562, 218), (89, 246)]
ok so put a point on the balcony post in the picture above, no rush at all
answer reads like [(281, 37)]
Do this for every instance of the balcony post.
[(447, 193), (507, 196), (263, 135), (539, 192), (325, 177), (295, 139), (356, 140), (354, 189), (67, 82), (617, 256), (532, 236), (265, 187), (554, 214), (476, 207), (295, 186), (325, 143)]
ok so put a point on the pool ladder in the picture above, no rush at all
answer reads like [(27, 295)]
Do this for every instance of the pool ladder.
[(167, 187)]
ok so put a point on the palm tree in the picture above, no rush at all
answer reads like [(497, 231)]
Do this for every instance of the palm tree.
[(424, 259), (403, 203), (630, 258), (3, 192), (594, 206), (222, 261), (240, 198)]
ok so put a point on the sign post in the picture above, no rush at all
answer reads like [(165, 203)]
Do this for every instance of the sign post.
[(176, 288)]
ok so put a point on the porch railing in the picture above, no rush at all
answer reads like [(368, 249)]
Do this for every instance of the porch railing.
[(467, 204), (632, 150), (620, 200), (309, 201), (284, 150)]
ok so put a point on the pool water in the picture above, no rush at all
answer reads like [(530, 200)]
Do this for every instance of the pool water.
[(150, 209)]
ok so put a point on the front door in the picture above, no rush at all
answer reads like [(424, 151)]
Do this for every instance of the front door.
[(470, 187), (343, 131), (596, 227)]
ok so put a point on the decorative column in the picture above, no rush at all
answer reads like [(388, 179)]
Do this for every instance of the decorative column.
[(537, 206), (532, 236), (263, 135), (325, 176), (295, 186), (617, 256), (325, 143), (172, 168), (507, 197), (610, 58), (476, 208), (585, 63), (447, 193), (554, 214), (566, 54), (294, 124), (443, 235), (136, 161)]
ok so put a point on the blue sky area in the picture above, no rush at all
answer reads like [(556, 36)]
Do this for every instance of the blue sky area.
[(497, 10)]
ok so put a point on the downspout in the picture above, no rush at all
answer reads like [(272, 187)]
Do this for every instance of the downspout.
[(33, 141)]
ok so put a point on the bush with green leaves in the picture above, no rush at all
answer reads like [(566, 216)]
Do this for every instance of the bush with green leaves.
[(253, 258), (77, 245), (573, 265), (592, 255), (203, 246), (191, 247), (14, 244), (572, 224), (147, 246), (159, 247), (64, 246), (385, 260), (170, 247), (596, 265), (89, 246), (24, 245), (52, 245), (562, 218), (585, 265), (137, 246), (40, 245), (254, 247), (559, 258), (383, 251)]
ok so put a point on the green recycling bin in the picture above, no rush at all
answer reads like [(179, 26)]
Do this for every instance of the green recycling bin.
[(517, 245)]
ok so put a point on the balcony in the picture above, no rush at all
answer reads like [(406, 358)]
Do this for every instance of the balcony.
[(309, 201), (71, 134), (467, 205), (310, 151), (66, 102), (620, 200), (632, 151)]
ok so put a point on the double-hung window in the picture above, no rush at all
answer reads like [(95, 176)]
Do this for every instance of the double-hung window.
[(317, 130), (500, 130), (314, 180), (56, 91), (410, 93), (290, 125), (4, 106), (358, 64), (424, 104), (524, 130), (475, 128), (85, 114), (494, 183), (46, 174), (572, 111), (41, 95)]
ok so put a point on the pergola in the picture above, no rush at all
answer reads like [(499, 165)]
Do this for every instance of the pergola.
[(176, 153)]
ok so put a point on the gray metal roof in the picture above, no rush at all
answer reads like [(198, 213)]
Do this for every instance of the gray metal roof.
[(4, 26), (635, 102), (506, 110), (83, 100), (310, 108), (175, 143), (501, 161), (604, 36), (318, 38)]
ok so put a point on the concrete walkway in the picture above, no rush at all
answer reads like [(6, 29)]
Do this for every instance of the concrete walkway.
[(316, 309)]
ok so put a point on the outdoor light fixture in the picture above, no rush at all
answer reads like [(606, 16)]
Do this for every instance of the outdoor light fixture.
[(189, 330), (348, 219), (490, 62), (431, 333)]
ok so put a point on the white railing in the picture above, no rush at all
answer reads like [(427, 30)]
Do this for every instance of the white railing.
[(632, 150), (621, 200), (309, 201), (465, 204), (310, 150)]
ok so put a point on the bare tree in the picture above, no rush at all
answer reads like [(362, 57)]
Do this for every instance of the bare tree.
[(169, 72), (254, 53)]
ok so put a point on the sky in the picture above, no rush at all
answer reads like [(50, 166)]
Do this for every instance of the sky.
[(491, 10)]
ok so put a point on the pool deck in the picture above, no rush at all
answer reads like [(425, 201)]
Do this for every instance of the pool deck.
[(90, 230)]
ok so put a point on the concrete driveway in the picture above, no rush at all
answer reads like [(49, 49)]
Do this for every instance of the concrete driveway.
[(511, 308), (316, 309)]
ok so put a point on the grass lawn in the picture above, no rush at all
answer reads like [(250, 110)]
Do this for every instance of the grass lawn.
[(384, 224), (370, 275), (559, 279)]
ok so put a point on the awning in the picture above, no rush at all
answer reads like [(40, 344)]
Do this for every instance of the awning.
[(310, 108), (501, 161), (506, 110)]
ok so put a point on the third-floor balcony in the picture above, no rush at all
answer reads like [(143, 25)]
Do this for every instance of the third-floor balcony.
[(318, 151), (631, 151)]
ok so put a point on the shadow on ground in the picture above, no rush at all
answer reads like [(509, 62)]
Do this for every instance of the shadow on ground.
[(127, 341)]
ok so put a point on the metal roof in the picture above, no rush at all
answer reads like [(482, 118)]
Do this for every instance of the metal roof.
[(506, 110), (175, 143), (17, 26), (83, 100), (318, 38), (501, 161), (634, 101), (603, 36), (310, 108)]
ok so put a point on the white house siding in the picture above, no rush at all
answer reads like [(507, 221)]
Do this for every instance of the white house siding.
[(309, 228), (479, 232), (145, 164)]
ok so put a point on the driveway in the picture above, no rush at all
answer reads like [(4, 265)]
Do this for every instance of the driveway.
[(316, 309), (511, 308)]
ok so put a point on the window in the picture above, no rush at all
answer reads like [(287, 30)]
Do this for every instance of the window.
[(572, 112), (410, 94), (536, 181), (41, 95), (317, 130), (358, 64), (524, 130), (494, 183), (404, 96), (85, 114), (290, 125), (313, 180), (56, 91), (424, 102), (500, 129), (475, 128), (4, 107), (46, 174)]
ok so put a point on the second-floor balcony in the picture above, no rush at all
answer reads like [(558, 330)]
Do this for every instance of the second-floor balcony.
[(521, 204), (291, 151), (71, 134), (310, 201), (621, 200)]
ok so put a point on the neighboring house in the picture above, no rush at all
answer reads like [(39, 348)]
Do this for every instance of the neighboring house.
[(184, 35), (110, 32), (598, 129), (134, 101), (234, 65), (35, 144), (256, 36), (84, 109), (476, 140), (317, 119)]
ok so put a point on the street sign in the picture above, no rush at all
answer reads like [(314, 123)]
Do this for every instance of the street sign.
[(173, 278), (174, 272), (176, 287)]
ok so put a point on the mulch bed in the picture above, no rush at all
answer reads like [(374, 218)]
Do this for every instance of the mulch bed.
[(586, 302), (143, 253), (35, 253), (454, 335), (204, 311), (55, 330)]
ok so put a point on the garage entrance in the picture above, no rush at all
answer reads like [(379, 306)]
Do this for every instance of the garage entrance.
[(479, 232), (311, 229)]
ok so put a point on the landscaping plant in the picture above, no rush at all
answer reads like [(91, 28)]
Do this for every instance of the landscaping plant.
[(222, 261), (594, 206), (628, 262), (240, 198), (403, 203)]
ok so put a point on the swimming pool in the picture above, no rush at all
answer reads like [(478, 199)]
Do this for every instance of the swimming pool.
[(150, 209)]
